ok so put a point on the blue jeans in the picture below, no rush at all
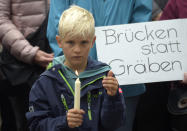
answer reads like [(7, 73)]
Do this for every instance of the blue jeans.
[(131, 104)]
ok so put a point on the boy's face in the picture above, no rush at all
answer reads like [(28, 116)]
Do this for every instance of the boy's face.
[(76, 51)]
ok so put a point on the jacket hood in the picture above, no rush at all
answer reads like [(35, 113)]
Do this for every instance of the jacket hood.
[(94, 68)]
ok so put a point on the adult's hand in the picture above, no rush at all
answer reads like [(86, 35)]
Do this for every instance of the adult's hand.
[(185, 78), (42, 58)]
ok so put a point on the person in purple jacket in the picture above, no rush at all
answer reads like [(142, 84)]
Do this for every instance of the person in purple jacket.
[(177, 101), (162, 97)]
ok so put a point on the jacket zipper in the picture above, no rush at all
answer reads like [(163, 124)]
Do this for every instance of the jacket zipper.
[(72, 91)]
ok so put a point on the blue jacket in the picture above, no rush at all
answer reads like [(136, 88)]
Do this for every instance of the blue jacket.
[(105, 12), (51, 97)]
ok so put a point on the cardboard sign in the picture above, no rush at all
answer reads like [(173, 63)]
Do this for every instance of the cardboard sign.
[(144, 52)]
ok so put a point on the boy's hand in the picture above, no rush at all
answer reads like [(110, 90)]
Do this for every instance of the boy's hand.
[(75, 117), (110, 84)]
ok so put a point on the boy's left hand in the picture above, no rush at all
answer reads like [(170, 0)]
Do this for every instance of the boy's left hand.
[(110, 83)]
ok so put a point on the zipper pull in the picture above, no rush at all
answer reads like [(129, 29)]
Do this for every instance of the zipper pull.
[(89, 106), (64, 102)]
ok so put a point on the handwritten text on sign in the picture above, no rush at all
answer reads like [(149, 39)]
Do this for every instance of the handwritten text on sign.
[(144, 52)]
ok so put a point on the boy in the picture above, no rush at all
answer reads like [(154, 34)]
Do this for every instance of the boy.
[(106, 12), (51, 98)]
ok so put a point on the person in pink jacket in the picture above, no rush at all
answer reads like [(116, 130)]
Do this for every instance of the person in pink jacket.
[(18, 19)]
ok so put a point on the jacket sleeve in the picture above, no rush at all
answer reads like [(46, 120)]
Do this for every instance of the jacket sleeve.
[(142, 11), (113, 111), (170, 11), (55, 11), (11, 37), (40, 116)]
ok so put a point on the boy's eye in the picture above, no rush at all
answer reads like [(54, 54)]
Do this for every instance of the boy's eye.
[(69, 42), (84, 42)]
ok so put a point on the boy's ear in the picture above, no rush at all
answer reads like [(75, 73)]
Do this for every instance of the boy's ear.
[(93, 41), (58, 41)]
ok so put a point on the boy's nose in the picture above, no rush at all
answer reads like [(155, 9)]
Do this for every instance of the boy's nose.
[(77, 48)]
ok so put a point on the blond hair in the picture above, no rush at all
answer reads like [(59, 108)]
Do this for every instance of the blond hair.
[(76, 22)]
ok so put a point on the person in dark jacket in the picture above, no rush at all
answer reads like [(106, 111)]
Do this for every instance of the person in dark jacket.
[(51, 97)]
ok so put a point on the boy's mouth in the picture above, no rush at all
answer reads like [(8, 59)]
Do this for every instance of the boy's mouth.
[(77, 57)]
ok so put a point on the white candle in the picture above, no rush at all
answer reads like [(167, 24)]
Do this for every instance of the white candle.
[(77, 92)]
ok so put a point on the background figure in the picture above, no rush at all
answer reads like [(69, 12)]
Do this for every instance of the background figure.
[(19, 19), (106, 13), (153, 106), (176, 9)]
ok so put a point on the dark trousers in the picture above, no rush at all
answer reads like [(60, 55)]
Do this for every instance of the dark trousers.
[(14, 105), (7, 115), (152, 113)]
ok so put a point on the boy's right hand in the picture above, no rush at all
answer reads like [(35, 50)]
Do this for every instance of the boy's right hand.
[(75, 117)]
